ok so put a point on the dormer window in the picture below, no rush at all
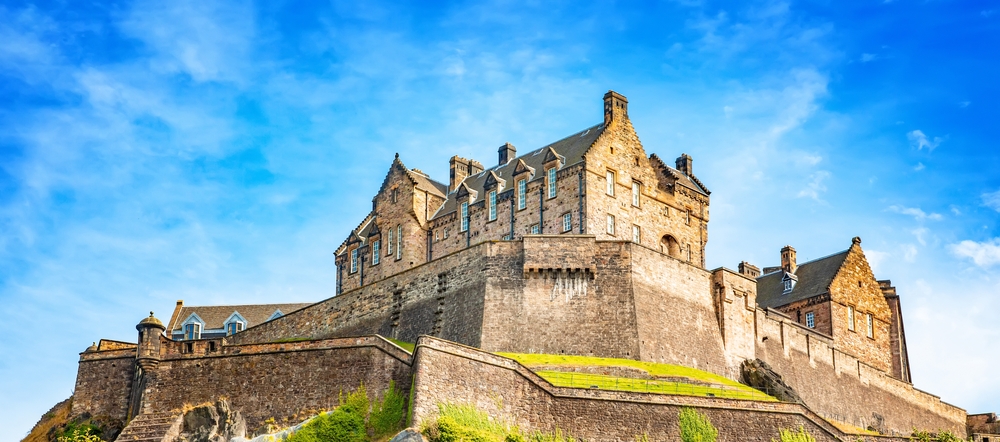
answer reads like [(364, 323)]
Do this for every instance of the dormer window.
[(493, 205), (277, 314), (376, 246), (551, 178), (465, 216), (234, 327), (354, 260), (522, 189), (789, 281), (192, 331)]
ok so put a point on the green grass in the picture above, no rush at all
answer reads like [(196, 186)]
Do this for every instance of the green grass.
[(408, 346), (722, 387)]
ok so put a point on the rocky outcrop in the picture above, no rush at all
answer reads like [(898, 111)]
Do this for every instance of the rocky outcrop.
[(212, 423), (757, 374)]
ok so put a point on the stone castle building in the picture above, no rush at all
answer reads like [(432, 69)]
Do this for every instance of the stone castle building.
[(585, 246)]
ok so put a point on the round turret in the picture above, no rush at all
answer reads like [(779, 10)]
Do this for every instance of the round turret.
[(150, 322), (92, 348), (150, 330)]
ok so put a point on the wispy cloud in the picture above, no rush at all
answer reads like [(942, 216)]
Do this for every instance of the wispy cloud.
[(984, 254), (920, 141), (992, 200), (866, 57), (915, 212), (919, 167), (816, 185)]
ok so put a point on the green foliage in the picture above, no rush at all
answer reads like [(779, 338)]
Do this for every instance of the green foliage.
[(408, 346), (339, 425), (796, 436), (946, 436), (387, 415), (84, 432), (642, 438), (695, 427), (357, 419), (922, 436), (464, 423), (926, 436)]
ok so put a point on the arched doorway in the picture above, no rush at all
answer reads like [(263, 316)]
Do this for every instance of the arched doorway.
[(670, 246)]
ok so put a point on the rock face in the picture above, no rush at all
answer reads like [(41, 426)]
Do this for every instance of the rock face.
[(408, 435), (757, 374), (212, 423)]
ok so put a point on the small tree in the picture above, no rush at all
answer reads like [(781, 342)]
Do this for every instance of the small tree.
[(695, 427), (791, 436)]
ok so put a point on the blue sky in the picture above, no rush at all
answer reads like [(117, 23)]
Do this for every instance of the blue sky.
[(219, 152)]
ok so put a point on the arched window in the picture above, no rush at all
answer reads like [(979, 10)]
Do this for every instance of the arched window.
[(670, 246)]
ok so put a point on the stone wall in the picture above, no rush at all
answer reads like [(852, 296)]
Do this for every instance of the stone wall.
[(286, 381), (450, 373), (103, 382), (841, 387)]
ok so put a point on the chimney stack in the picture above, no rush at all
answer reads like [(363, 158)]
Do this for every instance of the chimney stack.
[(788, 260), (684, 164), (507, 153), (748, 269), (615, 107), (461, 168)]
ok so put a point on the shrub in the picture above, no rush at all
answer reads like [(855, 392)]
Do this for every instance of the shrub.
[(922, 436), (695, 427), (946, 436), (81, 433), (356, 419), (387, 415), (796, 436)]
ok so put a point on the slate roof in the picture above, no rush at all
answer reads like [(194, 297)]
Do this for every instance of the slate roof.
[(814, 278), (569, 149), (215, 315)]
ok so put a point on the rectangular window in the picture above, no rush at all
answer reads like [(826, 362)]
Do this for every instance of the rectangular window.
[(850, 317), (446, 233), (635, 193), (395, 195), (192, 331), (465, 216), (567, 222), (610, 183), (234, 327), (437, 235), (687, 219), (552, 182), (810, 320), (611, 225), (534, 229), (522, 189), (871, 325), (388, 245), (375, 251), (506, 237), (354, 260), (493, 205), (636, 234), (399, 242)]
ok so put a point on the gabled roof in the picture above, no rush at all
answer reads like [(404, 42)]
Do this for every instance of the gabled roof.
[(419, 179), (215, 316), (569, 150), (690, 181), (814, 278)]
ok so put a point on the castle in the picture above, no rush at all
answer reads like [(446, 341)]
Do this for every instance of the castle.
[(586, 246)]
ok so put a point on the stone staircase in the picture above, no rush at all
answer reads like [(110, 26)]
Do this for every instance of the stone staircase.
[(153, 427)]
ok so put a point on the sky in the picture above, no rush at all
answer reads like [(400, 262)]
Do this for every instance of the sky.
[(218, 152)]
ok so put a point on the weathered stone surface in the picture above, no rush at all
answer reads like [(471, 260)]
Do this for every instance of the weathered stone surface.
[(408, 435), (212, 423), (757, 374)]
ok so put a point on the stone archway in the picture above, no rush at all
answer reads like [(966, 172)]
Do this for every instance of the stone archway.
[(670, 246)]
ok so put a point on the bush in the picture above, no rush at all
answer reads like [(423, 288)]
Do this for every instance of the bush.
[(695, 427), (800, 436), (356, 419), (81, 433), (464, 423), (387, 415)]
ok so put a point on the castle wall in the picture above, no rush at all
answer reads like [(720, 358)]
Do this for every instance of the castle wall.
[(735, 297), (285, 381), (103, 382), (450, 373), (840, 387), (855, 285)]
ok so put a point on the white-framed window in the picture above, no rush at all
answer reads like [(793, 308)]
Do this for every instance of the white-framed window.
[(567, 222), (192, 331), (376, 249), (395, 194), (635, 193), (522, 190), (388, 245), (810, 320), (493, 205), (551, 177), (636, 234), (789, 284), (437, 235), (611, 225), (399, 242), (850, 317), (354, 260), (871, 325), (610, 189), (446, 233), (506, 237), (534, 229), (234, 327), (465, 216)]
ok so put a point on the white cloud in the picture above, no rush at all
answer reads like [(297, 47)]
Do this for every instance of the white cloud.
[(919, 167), (876, 258), (815, 186), (992, 200), (964, 104), (915, 212), (920, 141), (983, 254), (866, 57), (909, 252), (921, 234)]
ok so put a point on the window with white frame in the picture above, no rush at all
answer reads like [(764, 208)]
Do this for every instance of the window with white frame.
[(399, 242), (376, 248), (871, 325), (493, 205), (395, 194), (354, 260), (551, 174), (534, 229), (636, 234), (446, 232), (810, 320), (522, 190), (465, 216), (388, 245), (850, 317), (192, 330), (610, 190), (567, 222), (234, 327), (635, 193), (611, 225)]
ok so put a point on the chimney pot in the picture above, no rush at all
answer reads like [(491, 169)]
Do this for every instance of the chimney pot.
[(507, 153), (684, 163), (788, 260)]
